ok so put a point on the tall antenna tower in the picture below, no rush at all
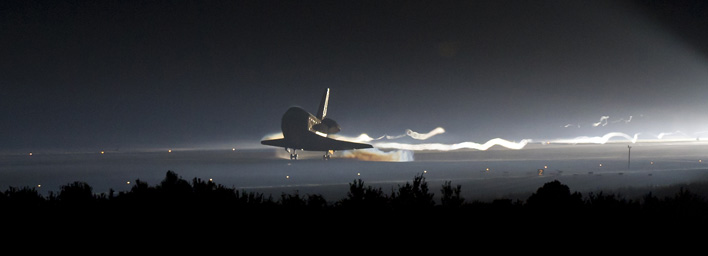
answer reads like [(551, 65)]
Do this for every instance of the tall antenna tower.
[(629, 155)]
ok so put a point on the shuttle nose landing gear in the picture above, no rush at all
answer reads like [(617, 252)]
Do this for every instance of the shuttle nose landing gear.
[(293, 155)]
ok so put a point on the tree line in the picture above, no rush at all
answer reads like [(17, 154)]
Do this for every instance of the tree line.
[(552, 201)]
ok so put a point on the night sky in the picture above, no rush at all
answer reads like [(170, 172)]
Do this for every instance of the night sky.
[(95, 75)]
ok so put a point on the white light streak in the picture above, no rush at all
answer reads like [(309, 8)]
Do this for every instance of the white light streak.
[(622, 120), (598, 140), (448, 147), (410, 133), (661, 135), (425, 136), (603, 118)]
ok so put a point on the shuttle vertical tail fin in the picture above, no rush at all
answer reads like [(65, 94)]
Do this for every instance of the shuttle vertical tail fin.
[(322, 111)]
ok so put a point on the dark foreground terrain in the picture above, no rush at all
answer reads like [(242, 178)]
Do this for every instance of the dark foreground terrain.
[(176, 202)]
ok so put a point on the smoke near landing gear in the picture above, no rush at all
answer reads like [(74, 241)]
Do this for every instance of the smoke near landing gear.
[(374, 154), (395, 155)]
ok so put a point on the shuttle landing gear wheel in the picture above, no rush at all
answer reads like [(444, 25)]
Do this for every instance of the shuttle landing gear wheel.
[(293, 154), (328, 155)]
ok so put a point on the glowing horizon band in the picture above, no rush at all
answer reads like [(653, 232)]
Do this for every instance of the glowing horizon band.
[(448, 147)]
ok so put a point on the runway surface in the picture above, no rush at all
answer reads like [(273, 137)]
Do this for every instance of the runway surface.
[(483, 175)]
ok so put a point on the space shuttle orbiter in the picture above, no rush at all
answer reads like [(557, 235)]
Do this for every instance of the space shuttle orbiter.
[(304, 131)]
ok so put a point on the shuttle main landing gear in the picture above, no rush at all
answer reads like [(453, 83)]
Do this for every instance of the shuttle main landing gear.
[(328, 155), (293, 155)]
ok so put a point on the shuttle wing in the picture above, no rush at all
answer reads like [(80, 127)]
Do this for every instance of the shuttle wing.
[(332, 144), (315, 142), (275, 142)]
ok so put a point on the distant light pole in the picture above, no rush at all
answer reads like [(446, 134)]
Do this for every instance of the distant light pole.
[(629, 155)]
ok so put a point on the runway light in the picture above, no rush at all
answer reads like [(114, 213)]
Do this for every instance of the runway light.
[(211, 180), (39, 186), (233, 149), (424, 171), (358, 174), (102, 152), (169, 151), (287, 177), (545, 167), (700, 161), (487, 169), (127, 183), (652, 162), (600, 165)]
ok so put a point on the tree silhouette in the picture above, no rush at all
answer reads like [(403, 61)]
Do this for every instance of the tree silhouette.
[(361, 197), (554, 196), (76, 194), (316, 202), (174, 187), (414, 195), (451, 196), (686, 205), (24, 198), (292, 201)]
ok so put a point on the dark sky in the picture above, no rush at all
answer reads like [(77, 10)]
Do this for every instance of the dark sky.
[(121, 74)]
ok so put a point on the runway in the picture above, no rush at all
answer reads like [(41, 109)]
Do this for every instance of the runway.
[(483, 175)]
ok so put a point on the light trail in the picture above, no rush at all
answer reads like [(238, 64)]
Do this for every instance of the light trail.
[(603, 118), (597, 140), (410, 133), (623, 120), (425, 136), (661, 135), (448, 147)]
